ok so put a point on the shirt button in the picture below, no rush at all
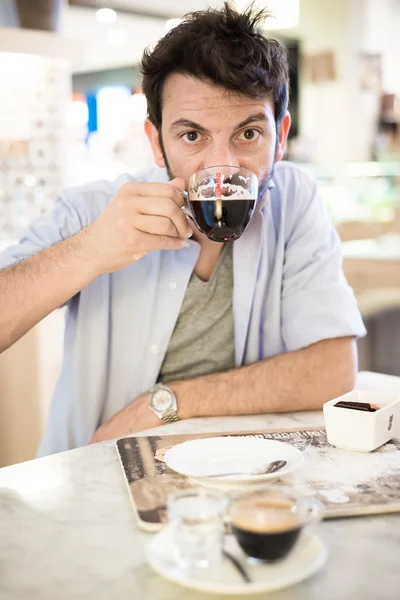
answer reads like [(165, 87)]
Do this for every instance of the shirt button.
[(172, 285), (154, 349)]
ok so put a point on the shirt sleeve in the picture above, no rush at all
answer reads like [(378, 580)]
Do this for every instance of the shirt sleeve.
[(63, 221), (317, 302)]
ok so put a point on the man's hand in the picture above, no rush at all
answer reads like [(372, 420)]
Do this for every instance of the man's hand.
[(136, 417), (142, 217)]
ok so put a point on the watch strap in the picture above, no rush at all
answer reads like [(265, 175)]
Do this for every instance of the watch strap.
[(170, 416)]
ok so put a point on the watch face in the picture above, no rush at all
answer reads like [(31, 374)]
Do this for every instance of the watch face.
[(162, 400)]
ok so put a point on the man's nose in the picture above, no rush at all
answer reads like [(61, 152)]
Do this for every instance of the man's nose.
[(221, 155)]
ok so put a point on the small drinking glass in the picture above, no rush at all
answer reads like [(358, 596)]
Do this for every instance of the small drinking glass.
[(268, 523), (196, 518), (221, 201)]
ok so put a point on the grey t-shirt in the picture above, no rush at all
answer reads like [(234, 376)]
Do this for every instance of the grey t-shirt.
[(203, 338)]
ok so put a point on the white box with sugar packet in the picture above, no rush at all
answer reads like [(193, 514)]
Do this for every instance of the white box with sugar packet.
[(360, 430)]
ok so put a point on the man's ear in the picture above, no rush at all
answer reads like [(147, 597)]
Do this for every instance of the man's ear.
[(282, 136), (152, 135)]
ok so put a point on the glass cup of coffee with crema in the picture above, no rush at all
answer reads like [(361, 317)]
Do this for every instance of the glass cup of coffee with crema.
[(221, 201), (267, 524)]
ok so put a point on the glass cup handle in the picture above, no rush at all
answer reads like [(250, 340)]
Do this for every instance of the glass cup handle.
[(186, 208)]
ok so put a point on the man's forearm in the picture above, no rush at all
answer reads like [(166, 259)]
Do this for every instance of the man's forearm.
[(295, 381), (301, 380), (32, 289)]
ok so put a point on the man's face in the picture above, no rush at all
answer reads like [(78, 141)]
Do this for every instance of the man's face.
[(204, 125)]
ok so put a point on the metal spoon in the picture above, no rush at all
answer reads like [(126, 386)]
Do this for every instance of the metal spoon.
[(266, 470), (238, 566)]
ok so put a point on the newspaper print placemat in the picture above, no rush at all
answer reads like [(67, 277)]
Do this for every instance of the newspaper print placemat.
[(348, 483)]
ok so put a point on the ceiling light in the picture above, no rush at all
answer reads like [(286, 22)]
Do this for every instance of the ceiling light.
[(105, 16)]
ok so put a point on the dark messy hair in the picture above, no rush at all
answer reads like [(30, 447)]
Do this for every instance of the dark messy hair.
[(223, 47)]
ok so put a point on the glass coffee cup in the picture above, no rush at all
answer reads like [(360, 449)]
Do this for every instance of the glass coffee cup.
[(267, 524), (221, 201)]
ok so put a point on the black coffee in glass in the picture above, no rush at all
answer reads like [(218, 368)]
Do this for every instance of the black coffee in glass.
[(229, 224), (265, 530), (221, 201)]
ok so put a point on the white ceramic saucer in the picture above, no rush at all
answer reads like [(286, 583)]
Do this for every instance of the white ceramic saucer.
[(307, 557), (200, 458)]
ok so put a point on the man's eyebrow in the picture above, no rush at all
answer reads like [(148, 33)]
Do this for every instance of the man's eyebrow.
[(186, 123), (193, 125), (251, 119)]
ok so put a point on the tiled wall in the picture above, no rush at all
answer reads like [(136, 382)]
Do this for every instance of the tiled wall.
[(35, 91)]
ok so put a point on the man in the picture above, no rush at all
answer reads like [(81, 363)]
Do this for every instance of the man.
[(265, 324)]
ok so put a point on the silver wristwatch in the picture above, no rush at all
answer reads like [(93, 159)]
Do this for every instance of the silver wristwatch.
[(163, 403)]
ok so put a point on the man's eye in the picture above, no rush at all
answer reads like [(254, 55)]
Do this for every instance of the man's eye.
[(249, 135), (191, 136)]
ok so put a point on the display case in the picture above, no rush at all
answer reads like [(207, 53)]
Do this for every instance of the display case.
[(364, 202), (363, 199)]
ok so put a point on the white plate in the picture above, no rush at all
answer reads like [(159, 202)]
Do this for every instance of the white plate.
[(201, 458), (307, 557)]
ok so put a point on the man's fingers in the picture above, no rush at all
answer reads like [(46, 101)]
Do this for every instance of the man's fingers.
[(155, 190), (156, 225), (179, 185), (164, 207), (149, 242)]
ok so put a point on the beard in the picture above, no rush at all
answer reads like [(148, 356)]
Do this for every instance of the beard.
[(262, 184)]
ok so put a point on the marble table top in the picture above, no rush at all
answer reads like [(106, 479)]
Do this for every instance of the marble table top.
[(67, 530)]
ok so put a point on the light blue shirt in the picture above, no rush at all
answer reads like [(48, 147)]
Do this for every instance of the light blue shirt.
[(289, 292)]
